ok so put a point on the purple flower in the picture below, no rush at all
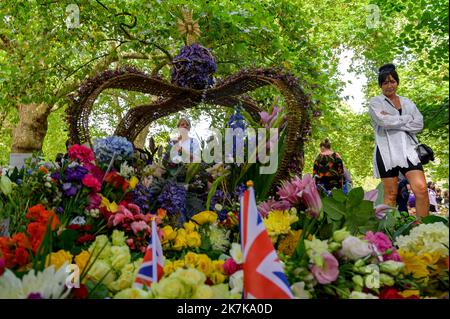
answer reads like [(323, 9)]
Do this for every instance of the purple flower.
[(69, 190), (222, 215), (219, 198), (240, 190), (142, 197), (269, 205), (56, 175), (75, 174), (371, 195), (172, 198)]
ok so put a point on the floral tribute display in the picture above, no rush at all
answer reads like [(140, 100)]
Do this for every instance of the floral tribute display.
[(92, 210)]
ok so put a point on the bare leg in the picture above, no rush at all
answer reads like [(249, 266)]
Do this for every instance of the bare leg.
[(418, 184), (390, 185)]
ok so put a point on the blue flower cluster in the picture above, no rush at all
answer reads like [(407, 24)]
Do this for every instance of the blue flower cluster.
[(194, 67), (173, 198), (107, 147), (142, 196), (237, 119)]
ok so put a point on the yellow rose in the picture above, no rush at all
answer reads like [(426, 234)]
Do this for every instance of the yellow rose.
[(190, 276), (206, 216), (124, 281), (204, 264), (81, 260), (133, 293), (118, 238), (217, 277), (99, 270), (193, 239), (59, 258), (190, 226), (191, 259), (133, 182), (218, 265), (203, 292), (168, 234), (168, 268), (169, 288), (180, 240), (178, 264), (120, 256)]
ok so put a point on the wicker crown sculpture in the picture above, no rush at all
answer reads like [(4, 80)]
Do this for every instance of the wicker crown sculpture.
[(191, 85)]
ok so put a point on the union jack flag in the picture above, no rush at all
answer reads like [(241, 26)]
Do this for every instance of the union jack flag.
[(264, 277), (152, 267)]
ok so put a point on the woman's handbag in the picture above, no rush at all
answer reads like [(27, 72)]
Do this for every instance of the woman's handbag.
[(424, 152)]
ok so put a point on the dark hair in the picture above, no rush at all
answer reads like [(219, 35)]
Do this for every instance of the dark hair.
[(386, 70), (326, 144)]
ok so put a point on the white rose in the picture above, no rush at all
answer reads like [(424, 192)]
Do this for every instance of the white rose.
[(355, 248), (237, 282)]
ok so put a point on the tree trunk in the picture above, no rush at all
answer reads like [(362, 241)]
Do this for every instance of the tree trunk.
[(29, 134)]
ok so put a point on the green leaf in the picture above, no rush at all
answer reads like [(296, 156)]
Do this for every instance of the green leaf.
[(355, 197), (339, 195), (333, 208), (434, 219)]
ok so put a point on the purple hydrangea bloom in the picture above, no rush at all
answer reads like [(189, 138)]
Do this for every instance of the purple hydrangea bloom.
[(194, 67), (117, 146), (75, 174), (142, 196), (172, 198)]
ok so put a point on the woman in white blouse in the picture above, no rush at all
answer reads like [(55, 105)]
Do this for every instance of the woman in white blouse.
[(186, 148), (393, 117)]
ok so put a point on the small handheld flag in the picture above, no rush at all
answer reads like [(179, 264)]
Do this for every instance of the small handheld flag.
[(152, 267), (264, 277)]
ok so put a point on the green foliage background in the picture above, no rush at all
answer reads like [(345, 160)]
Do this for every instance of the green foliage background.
[(42, 60)]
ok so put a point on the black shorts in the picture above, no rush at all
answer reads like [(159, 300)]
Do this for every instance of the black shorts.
[(394, 172)]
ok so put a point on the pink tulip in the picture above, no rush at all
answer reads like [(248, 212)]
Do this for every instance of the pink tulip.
[(329, 272)]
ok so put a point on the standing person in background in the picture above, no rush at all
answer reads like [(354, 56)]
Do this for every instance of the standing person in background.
[(395, 120), (402, 195), (439, 196), (432, 197), (328, 168), (445, 199)]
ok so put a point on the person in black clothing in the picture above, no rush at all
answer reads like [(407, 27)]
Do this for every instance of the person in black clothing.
[(328, 169), (403, 195)]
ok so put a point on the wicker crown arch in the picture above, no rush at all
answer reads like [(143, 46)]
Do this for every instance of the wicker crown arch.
[(229, 93)]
